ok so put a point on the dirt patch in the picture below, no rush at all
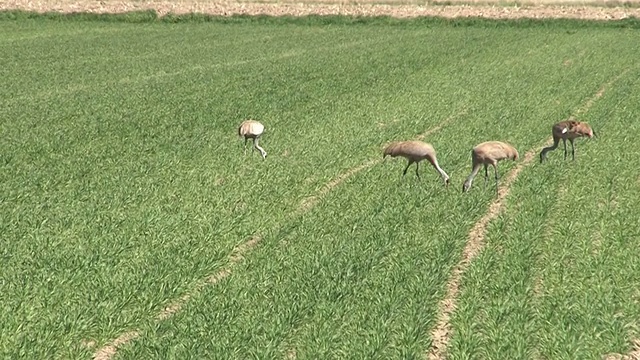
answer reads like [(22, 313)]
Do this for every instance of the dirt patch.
[(311, 201), (490, 9), (239, 251), (89, 344), (172, 309), (633, 355), (538, 286), (291, 354), (441, 125), (177, 305), (596, 243), (107, 352)]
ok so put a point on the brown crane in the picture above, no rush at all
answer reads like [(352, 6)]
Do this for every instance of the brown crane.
[(252, 129), (567, 130), (485, 154), (415, 151)]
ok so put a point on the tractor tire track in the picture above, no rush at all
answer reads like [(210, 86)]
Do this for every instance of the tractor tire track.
[(239, 252), (441, 334), (308, 203), (633, 355), (311, 201)]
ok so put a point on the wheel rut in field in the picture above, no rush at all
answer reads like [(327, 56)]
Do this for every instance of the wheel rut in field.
[(441, 334), (311, 201), (308, 203), (633, 355), (239, 252)]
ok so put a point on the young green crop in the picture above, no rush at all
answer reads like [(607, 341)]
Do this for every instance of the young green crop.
[(123, 185)]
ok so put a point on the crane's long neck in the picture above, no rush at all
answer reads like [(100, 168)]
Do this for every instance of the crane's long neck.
[(443, 174), (262, 152), (474, 172)]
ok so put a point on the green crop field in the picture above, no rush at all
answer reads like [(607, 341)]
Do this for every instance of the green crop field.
[(129, 215)]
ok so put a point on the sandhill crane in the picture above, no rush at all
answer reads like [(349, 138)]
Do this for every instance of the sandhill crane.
[(415, 151), (485, 154), (564, 130), (252, 129)]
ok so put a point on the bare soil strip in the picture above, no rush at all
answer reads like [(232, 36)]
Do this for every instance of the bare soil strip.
[(291, 354), (441, 334), (108, 351), (238, 253), (311, 201), (491, 9), (633, 355), (308, 203), (441, 125)]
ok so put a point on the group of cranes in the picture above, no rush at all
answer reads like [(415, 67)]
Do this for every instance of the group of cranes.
[(482, 155)]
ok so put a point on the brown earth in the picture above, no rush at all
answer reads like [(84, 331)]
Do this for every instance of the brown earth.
[(600, 10)]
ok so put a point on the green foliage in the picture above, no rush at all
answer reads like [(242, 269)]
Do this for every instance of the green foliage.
[(123, 185), (147, 16)]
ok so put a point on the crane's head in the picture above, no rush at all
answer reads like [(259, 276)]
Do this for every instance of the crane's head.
[(389, 150), (583, 129), (465, 186)]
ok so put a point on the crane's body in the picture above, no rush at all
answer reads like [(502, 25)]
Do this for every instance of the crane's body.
[(415, 151), (485, 154), (252, 129), (567, 130)]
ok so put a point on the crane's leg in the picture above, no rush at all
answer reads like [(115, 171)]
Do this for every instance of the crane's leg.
[(543, 153), (245, 146), (495, 169), (486, 175), (564, 141), (418, 175), (407, 168), (262, 152), (573, 150)]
